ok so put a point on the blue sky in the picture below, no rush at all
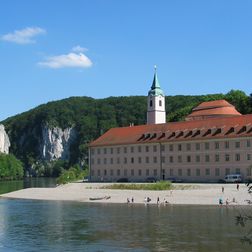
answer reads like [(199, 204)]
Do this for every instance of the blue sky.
[(51, 50)]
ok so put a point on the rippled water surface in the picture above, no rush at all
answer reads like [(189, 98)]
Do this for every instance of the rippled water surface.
[(27, 225)]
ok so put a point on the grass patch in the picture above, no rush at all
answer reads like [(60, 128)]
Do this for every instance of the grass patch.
[(159, 186)]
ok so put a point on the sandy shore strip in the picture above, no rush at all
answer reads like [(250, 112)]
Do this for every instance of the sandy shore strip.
[(189, 194)]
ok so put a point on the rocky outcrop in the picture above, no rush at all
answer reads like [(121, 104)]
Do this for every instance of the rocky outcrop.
[(4, 140), (56, 143)]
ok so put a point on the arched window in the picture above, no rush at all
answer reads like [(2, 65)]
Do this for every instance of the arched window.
[(160, 103), (150, 103)]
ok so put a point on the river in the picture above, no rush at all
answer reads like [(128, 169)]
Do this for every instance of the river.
[(31, 225)]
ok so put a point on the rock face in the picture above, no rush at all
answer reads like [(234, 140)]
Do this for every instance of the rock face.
[(4, 140), (56, 143)]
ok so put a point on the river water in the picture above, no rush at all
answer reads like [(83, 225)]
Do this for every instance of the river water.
[(30, 225)]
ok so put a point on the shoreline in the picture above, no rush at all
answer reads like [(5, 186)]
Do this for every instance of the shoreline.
[(192, 194)]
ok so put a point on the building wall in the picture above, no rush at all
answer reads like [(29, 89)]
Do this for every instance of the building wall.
[(206, 161)]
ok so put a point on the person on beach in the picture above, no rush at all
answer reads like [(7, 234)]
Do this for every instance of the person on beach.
[(220, 201), (237, 187), (227, 202), (128, 201), (222, 189), (157, 200), (132, 200)]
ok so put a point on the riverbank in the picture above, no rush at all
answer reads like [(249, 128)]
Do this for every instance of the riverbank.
[(189, 194)]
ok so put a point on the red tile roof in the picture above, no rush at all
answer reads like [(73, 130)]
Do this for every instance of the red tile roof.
[(212, 109), (223, 127)]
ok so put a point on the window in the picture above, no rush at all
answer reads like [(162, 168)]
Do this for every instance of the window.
[(197, 146), (154, 148), (171, 159), (198, 158), (188, 159), (207, 171), (179, 159), (206, 146), (227, 145), (92, 173), (188, 146), (92, 161), (118, 172), (99, 173), (163, 159), (171, 172), (160, 103), (197, 172), (92, 151), (154, 159), (132, 149), (104, 151), (217, 145), (111, 172), (147, 172), (98, 151), (125, 149), (207, 158), (150, 103), (147, 148), (139, 160), (237, 157), (105, 160), (180, 172), (118, 160), (111, 150), (98, 161), (132, 160), (147, 160), (179, 147), (162, 147), (125, 172), (105, 172), (227, 157), (111, 161), (249, 171), (217, 157), (118, 150), (237, 170), (227, 171), (188, 172), (217, 172), (125, 160), (237, 144), (248, 157), (171, 147), (248, 143), (139, 148), (132, 172), (155, 172)]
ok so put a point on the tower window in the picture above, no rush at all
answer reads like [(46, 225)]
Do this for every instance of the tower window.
[(160, 103), (150, 103)]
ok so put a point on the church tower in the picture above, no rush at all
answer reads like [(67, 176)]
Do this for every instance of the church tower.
[(156, 103)]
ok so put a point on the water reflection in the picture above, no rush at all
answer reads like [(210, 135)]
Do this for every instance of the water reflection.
[(66, 226)]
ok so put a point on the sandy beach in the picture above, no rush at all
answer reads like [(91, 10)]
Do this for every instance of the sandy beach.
[(189, 194)]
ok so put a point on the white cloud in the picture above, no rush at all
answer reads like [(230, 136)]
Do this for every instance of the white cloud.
[(24, 36), (67, 60), (79, 49)]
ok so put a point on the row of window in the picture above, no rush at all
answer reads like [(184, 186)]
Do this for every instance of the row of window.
[(171, 147), (171, 159), (171, 172)]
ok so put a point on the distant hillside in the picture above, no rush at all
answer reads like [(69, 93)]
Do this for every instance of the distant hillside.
[(92, 117)]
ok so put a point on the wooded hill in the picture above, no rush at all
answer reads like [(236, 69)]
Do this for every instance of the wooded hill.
[(92, 117)]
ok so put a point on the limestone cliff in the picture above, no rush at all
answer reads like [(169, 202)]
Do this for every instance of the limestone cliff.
[(56, 143), (4, 140)]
